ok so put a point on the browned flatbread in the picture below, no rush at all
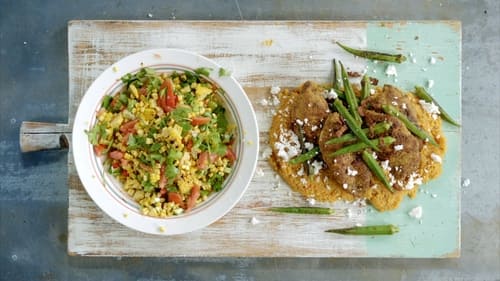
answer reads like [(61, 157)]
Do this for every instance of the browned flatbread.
[(322, 187)]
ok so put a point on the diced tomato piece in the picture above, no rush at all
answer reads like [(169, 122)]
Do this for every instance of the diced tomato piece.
[(143, 90), (200, 120), (189, 145), (125, 138), (202, 162), (99, 148), (163, 178), (163, 192), (176, 198), (116, 154), (124, 173), (115, 164), (168, 101), (123, 162), (128, 127), (230, 154), (195, 194), (213, 157)]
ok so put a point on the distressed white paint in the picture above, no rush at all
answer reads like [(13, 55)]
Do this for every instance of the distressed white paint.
[(299, 51)]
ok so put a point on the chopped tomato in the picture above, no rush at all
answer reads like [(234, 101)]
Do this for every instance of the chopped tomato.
[(163, 192), (128, 127), (230, 154), (99, 148), (116, 154), (125, 138), (189, 145), (143, 90), (163, 178), (202, 162), (115, 164), (176, 198), (200, 120), (124, 173), (195, 194), (213, 157), (168, 101)]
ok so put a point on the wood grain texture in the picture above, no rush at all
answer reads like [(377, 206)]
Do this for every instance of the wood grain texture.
[(259, 54)]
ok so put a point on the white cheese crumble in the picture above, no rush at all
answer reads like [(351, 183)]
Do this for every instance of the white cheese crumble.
[(372, 91), (314, 128), (390, 70), (264, 102), (385, 165), (436, 158), (317, 166), (275, 90), (288, 145), (375, 156), (299, 122), (414, 179), (311, 201), (331, 94), (351, 172), (466, 182), (398, 147), (403, 105), (308, 145), (344, 186), (416, 212), (254, 221), (259, 172), (430, 83), (300, 172), (431, 108), (266, 153), (432, 60), (303, 181)]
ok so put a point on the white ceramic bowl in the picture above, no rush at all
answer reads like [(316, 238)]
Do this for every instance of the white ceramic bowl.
[(108, 193)]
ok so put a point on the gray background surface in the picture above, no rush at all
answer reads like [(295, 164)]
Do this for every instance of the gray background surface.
[(33, 188)]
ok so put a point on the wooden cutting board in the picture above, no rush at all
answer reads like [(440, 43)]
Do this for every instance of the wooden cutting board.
[(261, 55)]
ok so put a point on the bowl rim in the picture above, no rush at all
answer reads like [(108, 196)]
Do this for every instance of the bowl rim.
[(95, 181)]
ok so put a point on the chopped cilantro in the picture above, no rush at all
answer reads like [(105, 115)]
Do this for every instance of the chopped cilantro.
[(223, 72)]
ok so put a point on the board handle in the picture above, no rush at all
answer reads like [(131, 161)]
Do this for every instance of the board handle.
[(37, 136)]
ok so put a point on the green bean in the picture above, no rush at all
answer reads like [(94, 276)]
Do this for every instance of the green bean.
[(399, 58), (387, 229), (376, 169), (303, 210), (299, 131), (389, 109), (351, 99), (335, 76), (360, 146), (379, 128), (421, 93), (365, 92), (352, 124), (305, 156)]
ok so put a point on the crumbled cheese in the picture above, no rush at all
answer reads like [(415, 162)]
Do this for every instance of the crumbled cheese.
[(372, 91), (414, 179), (375, 156), (466, 182), (259, 172), (303, 181), (403, 105), (317, 166), (311, 201), (385, 165), (432, 60), (394, 103), (331, 94), (275, 90), (416, 212), (398, 147), (266, 153), (430, 108), (314, 128), (264, 102), (308, 145), (299, 122), (430, 83), (436, 158), (288, 145), (254, 221), (300, 172), (351, 172), (390, 70), (344, 186)]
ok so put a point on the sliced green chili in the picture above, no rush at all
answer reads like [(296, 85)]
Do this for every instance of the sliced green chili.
[(352, 123), (305, 156), (303, 210), (399, 58), (378, 128), (421, 93), (376, 169), (351, 99), (361, 145), (387, 229), (389, 109)]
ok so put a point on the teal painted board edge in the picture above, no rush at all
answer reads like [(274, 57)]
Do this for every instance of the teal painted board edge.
[(437, 234)]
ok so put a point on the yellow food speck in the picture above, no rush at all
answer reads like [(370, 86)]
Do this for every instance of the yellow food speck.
[(162, 229)]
